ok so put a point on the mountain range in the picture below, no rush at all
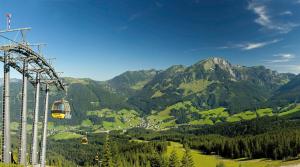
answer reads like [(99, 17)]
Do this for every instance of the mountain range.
[(207, 84)]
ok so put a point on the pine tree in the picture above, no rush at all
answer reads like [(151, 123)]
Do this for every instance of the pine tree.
[(173, 160), (114, 153), (155, 160), (137, 164), (118, 162), (187, 159), (165, 162), (107, 157), (148, 164), (220, 164)]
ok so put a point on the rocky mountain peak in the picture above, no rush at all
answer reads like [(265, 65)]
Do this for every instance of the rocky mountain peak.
[(212, 63), (222, 63)]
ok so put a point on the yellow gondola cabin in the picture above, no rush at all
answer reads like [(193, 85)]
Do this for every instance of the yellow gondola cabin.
[(61, 109)]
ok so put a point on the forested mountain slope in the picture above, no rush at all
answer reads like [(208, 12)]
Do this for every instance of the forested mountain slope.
[(207, 84), (288, 93)]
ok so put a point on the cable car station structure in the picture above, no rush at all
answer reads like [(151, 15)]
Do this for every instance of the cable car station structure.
[(28, 60)]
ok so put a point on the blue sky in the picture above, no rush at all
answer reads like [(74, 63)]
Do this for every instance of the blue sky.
[(100, 39)]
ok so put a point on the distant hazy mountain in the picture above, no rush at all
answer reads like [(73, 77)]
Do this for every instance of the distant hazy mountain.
[(288, 93), (130, 82), (12, 80)]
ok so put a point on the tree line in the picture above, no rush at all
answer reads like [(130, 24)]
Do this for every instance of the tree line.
[(142, 154), (273, 138), (282, 144)]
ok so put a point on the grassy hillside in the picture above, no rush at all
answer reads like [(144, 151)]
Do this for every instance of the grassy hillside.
[(202, 160), (66, 135), (111, 119), (181, 113), (194, 116), (287, 93), (72, 136), (209, 84)]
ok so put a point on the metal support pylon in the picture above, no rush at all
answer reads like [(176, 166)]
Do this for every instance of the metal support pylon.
[(23, 120), (44, 137), (6, 146), (34, 150), (22, 51)]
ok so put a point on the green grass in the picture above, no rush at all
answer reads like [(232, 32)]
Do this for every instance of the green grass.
[(187, 105), (14, 126), (165, 114), (139, 141), (247, 115), (10, 165), (86, 123), (265, 112), (233, 119), (210, 117), (123, 119), (168, 124), (218, 113), (206, 121), (194, 86), (157, 122), (159, 119), (50, 125), (163, 119), (290, 112), (201, 160), (139, 85), (157, 94), (66, 136), (215, 113)]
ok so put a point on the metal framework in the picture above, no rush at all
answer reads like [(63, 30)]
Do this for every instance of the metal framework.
[(35, 69)]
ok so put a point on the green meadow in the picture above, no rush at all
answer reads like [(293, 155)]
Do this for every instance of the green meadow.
[(201, 160)]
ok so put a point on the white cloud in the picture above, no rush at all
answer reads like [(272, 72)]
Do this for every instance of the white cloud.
[(249, 45), (287, 13), (286, 68), (285, 56), (282, 58), (265, 19)]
